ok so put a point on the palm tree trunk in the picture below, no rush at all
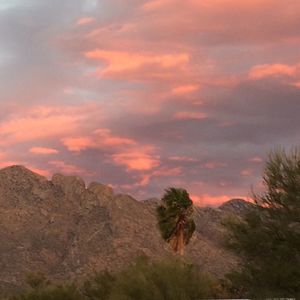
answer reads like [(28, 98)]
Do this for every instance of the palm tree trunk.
[(180, 241)]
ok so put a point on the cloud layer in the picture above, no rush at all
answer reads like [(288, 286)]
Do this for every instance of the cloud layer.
[(143, 95)]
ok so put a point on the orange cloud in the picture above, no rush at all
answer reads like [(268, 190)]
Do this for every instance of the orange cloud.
[(69, 169), (43, 151), (155, 4), (101, 138), (152, 65), (206, 199), (185, 89), (139, 159), (256, 159), (85, 21), (247, 172), (183, 159), (145, 178), (8, 163), (214, 165), (41, 172), (189, 115), (42, 122), (262, 71)]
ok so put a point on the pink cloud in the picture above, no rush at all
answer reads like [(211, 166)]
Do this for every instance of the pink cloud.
[(155, 4), (43, 150), (8, 163), (183, 159), (247, 172), (69, 169), (214, 165), (41, 172), (185, 89), (256, 159), (43, 122), (262, 71), (144, 179), (101, 138), (190, 115), (133, 64), (206, 199), (85, 21), (138, 159), (121, 151)]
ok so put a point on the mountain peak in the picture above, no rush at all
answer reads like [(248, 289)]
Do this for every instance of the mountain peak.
[(236, 205), (20, 171)]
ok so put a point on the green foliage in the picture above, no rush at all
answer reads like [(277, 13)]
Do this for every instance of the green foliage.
[(144, 280), (42, 289), (175, 214), (268, 238), (100, 287), (67, 292), (37, 280)]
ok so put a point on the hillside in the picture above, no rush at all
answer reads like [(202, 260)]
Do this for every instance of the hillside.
[(66, 230)]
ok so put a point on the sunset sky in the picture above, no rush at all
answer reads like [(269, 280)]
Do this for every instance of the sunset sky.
[(143, 95)]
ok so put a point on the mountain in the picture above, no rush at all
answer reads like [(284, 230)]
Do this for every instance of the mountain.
[(66, 230), (237, 206)]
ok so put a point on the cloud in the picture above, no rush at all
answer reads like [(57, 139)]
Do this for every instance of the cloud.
[(43, 122), (85, 21), (122, 151), (43, 151), (135, 65), (149, 94), (263, 71), (189, 115), (256, 159), (101, 138), (206, 199), (185, 89), (214, 165), (247, 172), (68, 169), (139, 159), (42, 172)]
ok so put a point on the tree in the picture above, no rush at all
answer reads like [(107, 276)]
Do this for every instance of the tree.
[(175, 218), (268, 238)]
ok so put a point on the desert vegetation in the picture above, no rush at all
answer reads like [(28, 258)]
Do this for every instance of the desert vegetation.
[(266, 238), (143, 279)]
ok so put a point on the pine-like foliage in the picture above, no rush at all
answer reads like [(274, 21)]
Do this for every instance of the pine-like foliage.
[(268, 238), (175, 218)]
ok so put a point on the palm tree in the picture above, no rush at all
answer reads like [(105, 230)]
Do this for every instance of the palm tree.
[(175, 218)]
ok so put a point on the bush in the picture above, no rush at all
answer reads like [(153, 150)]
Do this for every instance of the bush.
[(60, 292), (42, 289), (144, 280)]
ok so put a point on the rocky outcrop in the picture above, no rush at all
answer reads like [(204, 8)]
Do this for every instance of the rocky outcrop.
[(64, 229)]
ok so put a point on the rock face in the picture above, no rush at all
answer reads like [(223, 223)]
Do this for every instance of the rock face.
[(66, 230)]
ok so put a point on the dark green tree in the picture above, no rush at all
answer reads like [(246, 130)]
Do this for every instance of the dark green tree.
[(268, 238), (175, 218)]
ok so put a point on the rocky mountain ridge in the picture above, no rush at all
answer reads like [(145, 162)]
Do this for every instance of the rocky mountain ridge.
[(66, 230)]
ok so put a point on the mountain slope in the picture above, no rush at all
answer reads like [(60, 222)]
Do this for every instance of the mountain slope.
[(65, 230)]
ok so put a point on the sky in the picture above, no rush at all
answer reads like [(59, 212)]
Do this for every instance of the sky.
[(143, 95)]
